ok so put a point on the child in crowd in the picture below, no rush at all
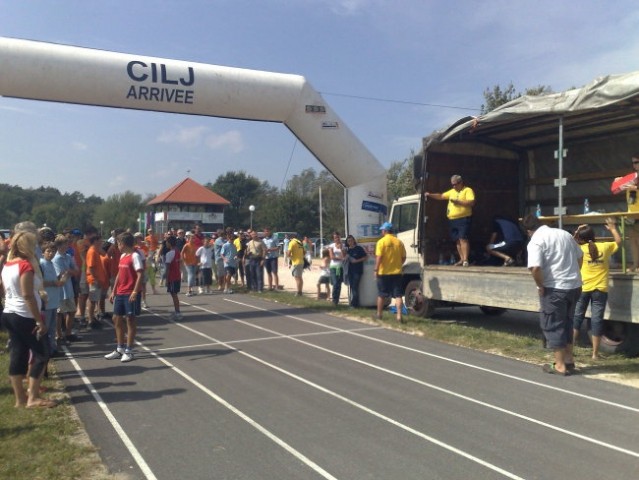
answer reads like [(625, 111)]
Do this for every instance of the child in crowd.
[(205, 256), (229, 255), (53, 286), (325, 275), (64, 264)]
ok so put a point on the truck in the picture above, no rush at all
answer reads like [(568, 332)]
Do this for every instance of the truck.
[(550, 152)]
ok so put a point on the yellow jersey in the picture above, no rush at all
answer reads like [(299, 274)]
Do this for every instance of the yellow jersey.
[(459, 211), (392, 251), (594, 273)]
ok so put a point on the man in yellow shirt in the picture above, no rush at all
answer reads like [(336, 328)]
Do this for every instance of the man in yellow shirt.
[(461, 200), (390, 256), (296, 254)]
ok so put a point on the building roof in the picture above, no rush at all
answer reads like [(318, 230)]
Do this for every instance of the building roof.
[(189, 191)]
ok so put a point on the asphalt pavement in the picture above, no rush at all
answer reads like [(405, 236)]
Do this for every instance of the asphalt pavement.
[(244, 388)]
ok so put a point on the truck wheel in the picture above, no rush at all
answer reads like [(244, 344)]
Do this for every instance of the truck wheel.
[(492, 311), (620, 337), (416, 302)]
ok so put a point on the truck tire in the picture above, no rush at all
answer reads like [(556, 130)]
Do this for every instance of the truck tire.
[(620, 337), (492, 311), (416, 302)]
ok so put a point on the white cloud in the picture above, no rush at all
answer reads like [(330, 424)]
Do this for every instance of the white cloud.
[(189, 137), (116, 181), (231, 140), (196, 136)]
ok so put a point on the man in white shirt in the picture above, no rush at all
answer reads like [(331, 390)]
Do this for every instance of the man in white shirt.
[(554, 259)]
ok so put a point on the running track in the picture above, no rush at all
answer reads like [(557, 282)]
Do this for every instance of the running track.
[(243, 388)]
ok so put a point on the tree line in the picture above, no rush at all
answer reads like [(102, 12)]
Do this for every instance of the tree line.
[(293, 208)]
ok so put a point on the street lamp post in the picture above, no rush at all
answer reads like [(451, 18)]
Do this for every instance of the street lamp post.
[(251, 209)]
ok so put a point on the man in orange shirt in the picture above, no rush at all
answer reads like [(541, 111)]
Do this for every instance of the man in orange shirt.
[(151, 241), (97, 278)]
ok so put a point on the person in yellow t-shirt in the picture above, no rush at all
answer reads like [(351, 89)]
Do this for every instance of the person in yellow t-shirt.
[(594, 274), (296, 254), (390, 255), (461, 200)]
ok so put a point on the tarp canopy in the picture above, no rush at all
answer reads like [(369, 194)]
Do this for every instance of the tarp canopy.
[(607, 105)]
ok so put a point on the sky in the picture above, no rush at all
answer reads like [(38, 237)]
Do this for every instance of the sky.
[(393, 70)]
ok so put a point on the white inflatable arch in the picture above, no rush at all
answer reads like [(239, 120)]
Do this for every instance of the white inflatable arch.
[(62, 73)]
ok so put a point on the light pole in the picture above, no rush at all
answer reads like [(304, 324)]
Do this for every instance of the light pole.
[(101, 225), (251, 209)]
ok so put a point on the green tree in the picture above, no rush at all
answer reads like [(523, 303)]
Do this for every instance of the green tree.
[(497, 96), (400, 177), (242, 190), (118, 211)]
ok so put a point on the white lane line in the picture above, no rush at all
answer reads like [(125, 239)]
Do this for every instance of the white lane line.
[(452, 393), (364, 408), (146, 470), (256, 339), (296, 453), (451, 360)]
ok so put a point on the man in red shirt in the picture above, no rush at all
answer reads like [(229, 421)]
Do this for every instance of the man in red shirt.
[(126, 298)]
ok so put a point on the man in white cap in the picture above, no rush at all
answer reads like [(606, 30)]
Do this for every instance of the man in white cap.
[(390, 255)]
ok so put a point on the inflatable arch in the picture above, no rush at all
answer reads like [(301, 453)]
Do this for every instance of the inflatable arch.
[(69, 74)]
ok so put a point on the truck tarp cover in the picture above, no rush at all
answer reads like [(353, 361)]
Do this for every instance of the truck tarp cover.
[(609, 104)]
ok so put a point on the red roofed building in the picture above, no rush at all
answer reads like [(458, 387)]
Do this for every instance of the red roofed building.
[(184, 205)]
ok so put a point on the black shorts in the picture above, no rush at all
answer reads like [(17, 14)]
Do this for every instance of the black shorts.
[(389, 286), (509, 248), (173, 287)]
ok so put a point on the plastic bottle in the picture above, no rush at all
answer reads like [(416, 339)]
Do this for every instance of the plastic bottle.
[(538, 211), (586, 206)]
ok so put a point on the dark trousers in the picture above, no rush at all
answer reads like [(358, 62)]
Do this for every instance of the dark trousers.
[(353, 282), (337, 277), (256, 281)]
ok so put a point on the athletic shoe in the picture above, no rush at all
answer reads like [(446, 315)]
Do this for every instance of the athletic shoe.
[(95, 325), (127, 356), (200, 290), (189, 294), (144, 305), (175, 316), (72, 338), (115, 354)]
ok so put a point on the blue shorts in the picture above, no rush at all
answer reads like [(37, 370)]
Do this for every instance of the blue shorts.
[(460, 228), (271, 265), (123, 307), (389, 286)]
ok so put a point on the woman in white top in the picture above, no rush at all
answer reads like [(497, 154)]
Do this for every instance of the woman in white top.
[(22, 282), (337, 253)]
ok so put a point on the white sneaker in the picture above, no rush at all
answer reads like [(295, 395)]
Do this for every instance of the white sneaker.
[(144, 305), (127, 356), (115, 354), (200, 290)]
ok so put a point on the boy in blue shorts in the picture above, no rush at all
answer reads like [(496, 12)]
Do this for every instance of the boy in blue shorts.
[(126, 297)]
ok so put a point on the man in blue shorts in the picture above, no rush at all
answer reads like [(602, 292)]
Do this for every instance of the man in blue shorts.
[(461, 200)]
